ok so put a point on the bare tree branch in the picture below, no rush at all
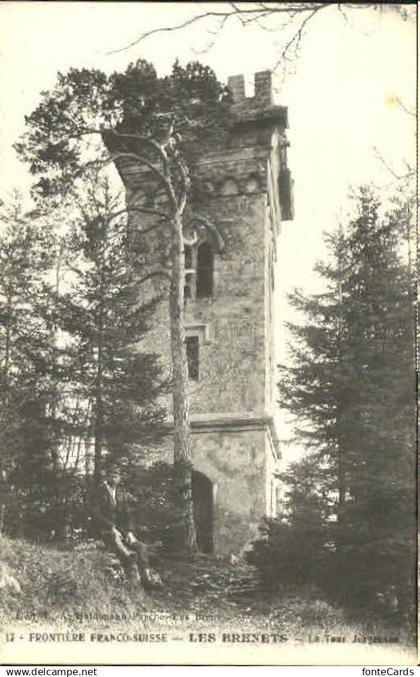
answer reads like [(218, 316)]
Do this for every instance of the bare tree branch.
[(257, 13), (406, 109), (296, 37), (215, 35), (140, 210), (155, 273), (244, 14), (398, 177), (164, 29)]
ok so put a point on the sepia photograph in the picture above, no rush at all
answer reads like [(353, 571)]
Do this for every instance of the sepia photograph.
[(208, 333)]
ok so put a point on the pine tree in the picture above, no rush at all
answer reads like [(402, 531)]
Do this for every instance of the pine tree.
[(351, 390), (315, 387), (114, 381), (25, 358), (381, 510)]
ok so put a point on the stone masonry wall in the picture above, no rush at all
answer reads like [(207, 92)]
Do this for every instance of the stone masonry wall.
[(232, 359), (234, 462)]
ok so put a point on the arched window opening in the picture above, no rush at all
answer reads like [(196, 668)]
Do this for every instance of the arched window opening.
[(205, 265)]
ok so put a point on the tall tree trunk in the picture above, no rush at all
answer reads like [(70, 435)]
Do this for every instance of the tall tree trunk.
[(182, 450)]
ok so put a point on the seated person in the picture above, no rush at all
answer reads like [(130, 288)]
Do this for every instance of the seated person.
[(114, 522)]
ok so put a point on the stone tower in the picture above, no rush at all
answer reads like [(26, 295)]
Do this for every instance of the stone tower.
[(229, 287)]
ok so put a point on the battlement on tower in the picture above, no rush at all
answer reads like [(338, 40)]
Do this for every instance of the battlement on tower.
[(257, 108)]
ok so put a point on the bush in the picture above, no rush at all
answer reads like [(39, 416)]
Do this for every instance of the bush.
[(286, 555), (158, 516), (44, 506)]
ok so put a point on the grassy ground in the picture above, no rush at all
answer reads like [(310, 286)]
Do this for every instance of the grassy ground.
[(81, 587)]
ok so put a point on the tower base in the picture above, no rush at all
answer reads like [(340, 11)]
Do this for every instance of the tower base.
[(234, 459)]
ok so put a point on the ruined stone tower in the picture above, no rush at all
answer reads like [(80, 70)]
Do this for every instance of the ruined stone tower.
[(229, 287)]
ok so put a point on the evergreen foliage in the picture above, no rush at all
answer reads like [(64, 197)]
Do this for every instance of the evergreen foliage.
[(155, 501), (26, 355), (104, 319), (74, 374), (133, 113), (156, 126), (349, 507)]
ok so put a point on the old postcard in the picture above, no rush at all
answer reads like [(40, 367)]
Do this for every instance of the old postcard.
[(207, 335)]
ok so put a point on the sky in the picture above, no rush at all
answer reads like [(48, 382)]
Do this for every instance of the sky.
[(342, 93)]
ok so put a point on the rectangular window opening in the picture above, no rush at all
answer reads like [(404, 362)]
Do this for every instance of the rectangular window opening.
[(192, 347)]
